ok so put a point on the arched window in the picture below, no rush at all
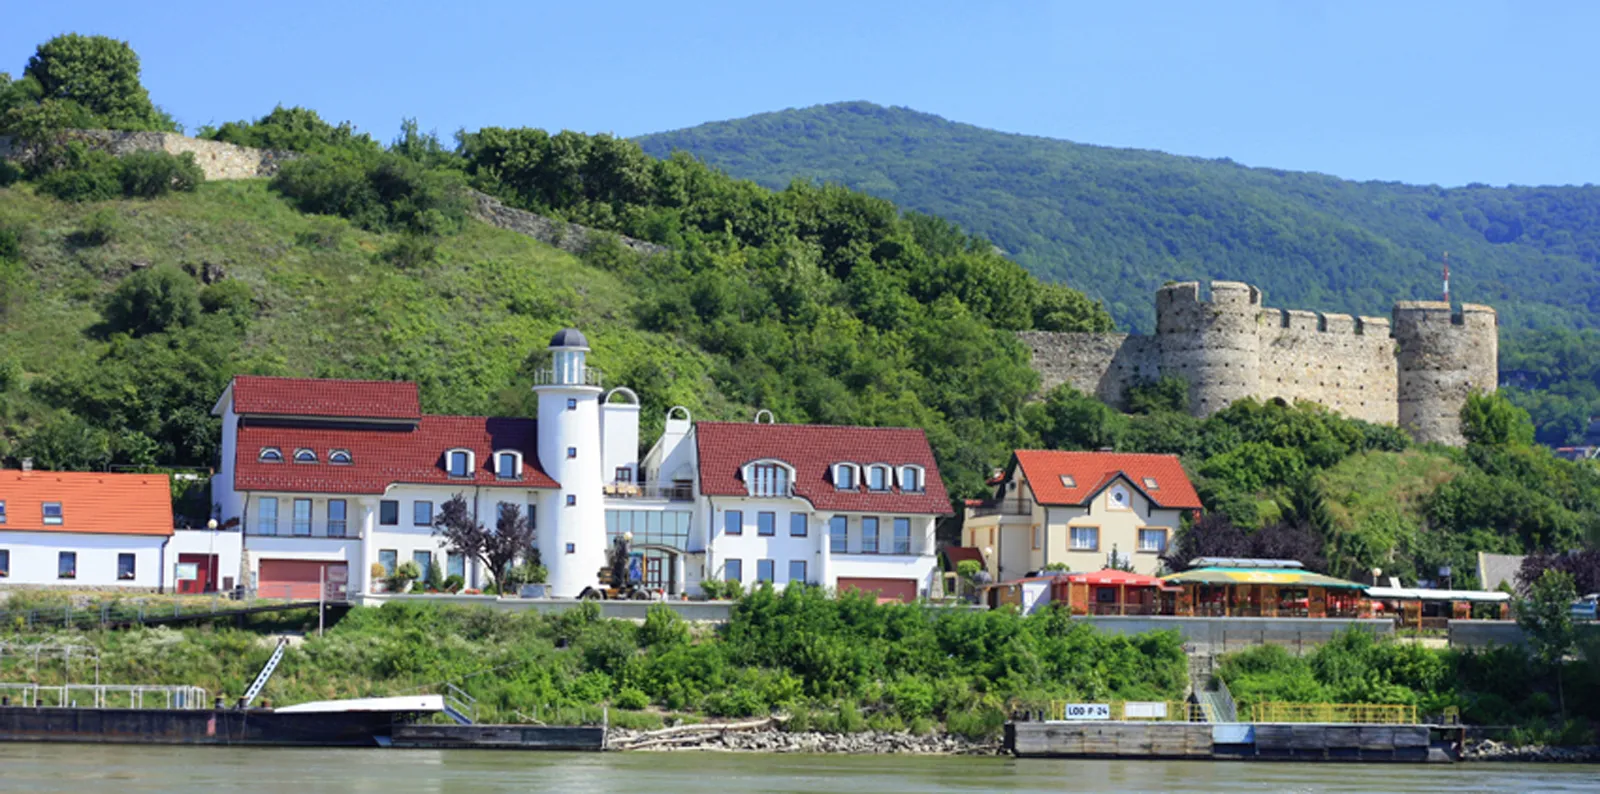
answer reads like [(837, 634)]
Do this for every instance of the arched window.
[(271, 455), (844, 476), (340, 457), (768, 478), (878, 477), (458, 462), (507, 465), (305, 456), (911, 479)]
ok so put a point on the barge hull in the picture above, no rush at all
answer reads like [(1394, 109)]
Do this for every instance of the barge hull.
[(1228, 741), (194, 726)]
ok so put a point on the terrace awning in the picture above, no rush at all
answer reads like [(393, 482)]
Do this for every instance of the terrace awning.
[(1428, 594), (1111, 576), (1274, 576)]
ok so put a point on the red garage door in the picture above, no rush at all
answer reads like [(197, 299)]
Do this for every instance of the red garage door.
[(299, 579), (886, 589)]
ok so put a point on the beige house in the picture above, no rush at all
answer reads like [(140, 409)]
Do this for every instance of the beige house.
[(1080, 509)]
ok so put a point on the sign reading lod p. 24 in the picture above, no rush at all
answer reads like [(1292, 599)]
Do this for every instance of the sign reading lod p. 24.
[(1087, 711)]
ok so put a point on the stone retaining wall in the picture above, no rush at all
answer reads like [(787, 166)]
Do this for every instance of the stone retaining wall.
[(218, 160)]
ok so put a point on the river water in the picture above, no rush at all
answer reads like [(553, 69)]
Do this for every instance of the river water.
[(127, 769)]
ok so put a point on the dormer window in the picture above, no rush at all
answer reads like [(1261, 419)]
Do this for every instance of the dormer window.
[(844, 476), (911, 479), (270, 455), (340, 457), (459, 462), (305, 456), (1067, 481), (507, 465), (1150, 483), (878, 478), (767, 478)]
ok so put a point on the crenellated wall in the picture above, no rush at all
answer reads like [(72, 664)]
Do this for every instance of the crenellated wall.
[(1415, 371)]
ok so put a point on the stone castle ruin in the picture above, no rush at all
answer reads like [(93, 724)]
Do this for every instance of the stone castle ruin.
[(1415, 371)]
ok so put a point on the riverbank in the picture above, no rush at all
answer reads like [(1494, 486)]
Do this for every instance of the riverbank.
[(711, 739), (1489, 750)]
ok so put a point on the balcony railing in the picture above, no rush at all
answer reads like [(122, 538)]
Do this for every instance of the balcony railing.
[(683, 492), (550, 376), (1009, 507)]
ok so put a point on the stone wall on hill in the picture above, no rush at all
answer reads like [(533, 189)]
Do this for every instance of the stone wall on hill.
[(217, 159), (1415, 371)]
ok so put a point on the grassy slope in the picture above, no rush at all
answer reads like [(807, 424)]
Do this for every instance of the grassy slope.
[(1119, 222), (1375, 502), (465, 327)]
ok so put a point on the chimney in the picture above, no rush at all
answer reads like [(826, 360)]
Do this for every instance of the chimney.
[(27, 464)]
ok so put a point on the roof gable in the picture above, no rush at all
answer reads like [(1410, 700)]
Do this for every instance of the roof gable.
[(1091, 472), (325, 397), (91, 502), (380, 457), (723, 448)]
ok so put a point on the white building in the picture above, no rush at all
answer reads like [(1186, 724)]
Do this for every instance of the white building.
[(85, 530), (328, 477)]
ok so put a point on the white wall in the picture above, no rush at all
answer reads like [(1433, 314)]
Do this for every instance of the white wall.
[(226, 545), (619, 439), (34, 557), (580, 525), (750, 547), (224, 498)]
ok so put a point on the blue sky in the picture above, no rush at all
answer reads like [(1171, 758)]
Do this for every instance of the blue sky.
[(1428, 92)]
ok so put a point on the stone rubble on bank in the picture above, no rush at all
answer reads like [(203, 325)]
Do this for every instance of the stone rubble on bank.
[(1490, 750), (776, 741)]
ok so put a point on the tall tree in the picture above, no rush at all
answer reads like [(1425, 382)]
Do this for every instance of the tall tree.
[(498, 549), (1546, 616), (98, 73)]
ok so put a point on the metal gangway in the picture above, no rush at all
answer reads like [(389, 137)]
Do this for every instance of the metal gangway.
[(265, 674)]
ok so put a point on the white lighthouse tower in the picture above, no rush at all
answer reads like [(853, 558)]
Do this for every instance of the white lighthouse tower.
[(571, 526)]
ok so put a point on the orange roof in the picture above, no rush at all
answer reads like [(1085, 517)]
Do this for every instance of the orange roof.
[(1090, 472), (106, 504)]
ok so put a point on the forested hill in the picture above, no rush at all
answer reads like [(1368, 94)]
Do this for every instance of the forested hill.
[(1117, 223)]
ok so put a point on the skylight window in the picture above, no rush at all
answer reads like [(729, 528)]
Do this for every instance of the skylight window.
[(1150, 482), (305, 456), (270, 455), (340, 457), (1066, 479)]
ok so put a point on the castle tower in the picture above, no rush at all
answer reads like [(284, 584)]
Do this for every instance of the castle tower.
[(571, 525), (1444, 356), (1215, 345)]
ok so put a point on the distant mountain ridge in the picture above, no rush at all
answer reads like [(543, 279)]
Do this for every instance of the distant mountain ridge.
[(1118, 223)]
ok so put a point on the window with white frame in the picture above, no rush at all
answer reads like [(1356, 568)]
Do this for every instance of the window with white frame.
[(52, 513), (902, 536), (270, 455), (460, 463), (878, 478), (844, 476), (1153, 540), (302, 517), (767, 479), (506, 465), (337, 518), (839, 534), (1119, 498), (267, 515), (911, 479), (869, 535), (305, 456), (1085, 538), (340, 457)]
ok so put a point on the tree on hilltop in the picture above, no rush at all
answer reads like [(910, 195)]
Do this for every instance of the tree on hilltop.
[(98, 74)]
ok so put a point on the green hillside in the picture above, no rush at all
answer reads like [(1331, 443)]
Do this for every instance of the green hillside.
[(1117, 223)]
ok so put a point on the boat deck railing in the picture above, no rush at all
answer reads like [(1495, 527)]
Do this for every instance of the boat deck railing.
[(103, 696), (1359, 713)]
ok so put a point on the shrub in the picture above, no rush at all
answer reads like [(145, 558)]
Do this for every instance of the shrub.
[(982, 722), (453, 583), (151, 301), (10, 245), (102, 226), (631, 699), (230, 297), (663, 628), (10, 173), (86, 175), (155, 174)]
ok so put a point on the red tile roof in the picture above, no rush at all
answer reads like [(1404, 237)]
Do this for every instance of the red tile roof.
[(725, 447), (356, 399), (1093, 471), (106, 504), (381, 457)]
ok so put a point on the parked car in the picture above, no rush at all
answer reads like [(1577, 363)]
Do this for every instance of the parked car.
[(1586, 607)]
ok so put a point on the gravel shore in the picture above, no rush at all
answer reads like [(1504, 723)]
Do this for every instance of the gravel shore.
[(774, 741), (1489, 750)]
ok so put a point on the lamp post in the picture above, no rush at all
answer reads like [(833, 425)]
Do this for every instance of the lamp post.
[(1376, 572), (211, 554)]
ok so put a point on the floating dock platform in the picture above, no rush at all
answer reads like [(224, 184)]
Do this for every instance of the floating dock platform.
[(1234, 741), (500, 737)]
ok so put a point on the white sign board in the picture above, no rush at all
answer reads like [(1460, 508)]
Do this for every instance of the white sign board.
[(1144, 711), (1087, 711), (188, 571)]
